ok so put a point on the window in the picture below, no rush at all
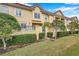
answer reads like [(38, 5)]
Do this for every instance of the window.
[(23, 25), (52, 18), (62, 20), (18, 12), (26, 27), (43, 29), (33, 27), (4, 9), (46, 17), (37, 15)]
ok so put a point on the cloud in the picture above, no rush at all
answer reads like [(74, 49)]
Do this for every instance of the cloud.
[(63, 9), (27, 4), (75, 15), (71, 3), (68, 11)]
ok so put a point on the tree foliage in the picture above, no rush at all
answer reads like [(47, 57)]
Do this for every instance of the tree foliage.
[(8, 24), (58, 24), (46, 25), (73, 26)]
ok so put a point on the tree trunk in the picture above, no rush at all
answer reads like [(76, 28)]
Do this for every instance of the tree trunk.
[(4, 43), (37, 36), (55, 34), (72, 32), (45, 32), (37, 33)]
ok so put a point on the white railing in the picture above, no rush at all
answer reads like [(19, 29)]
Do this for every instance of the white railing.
[(29, 28)]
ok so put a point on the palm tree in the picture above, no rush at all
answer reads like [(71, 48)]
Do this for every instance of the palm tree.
[(57, 25), (8, 24), (46, 25), (73, 26)]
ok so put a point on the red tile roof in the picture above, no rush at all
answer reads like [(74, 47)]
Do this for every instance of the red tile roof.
[(32, 8)]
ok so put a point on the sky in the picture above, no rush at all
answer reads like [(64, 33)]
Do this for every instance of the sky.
[(68, 9)]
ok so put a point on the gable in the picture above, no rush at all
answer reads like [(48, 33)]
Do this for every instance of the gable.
[(59, 13), (37, 9)]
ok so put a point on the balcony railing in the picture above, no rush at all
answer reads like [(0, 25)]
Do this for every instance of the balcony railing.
[(28, 28)]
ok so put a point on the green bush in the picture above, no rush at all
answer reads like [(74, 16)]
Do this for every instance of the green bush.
[(1, 44), (49, 34), (41, 35), (62, 34), (76, 32), (30, 38), (59, 34), (21, 39)]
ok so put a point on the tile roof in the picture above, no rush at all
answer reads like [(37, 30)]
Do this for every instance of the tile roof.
[(36, 5)]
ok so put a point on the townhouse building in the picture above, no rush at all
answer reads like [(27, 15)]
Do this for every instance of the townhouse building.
[(32, 18)]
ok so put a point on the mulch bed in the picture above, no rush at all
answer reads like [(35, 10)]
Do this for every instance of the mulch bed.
[(13, 47)]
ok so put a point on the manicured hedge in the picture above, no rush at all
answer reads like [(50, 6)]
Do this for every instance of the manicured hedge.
[(76, 32), (41, 35), (30, 38), (1, 44), (21, 39), (25, 38), (61, 34), (49, 34)]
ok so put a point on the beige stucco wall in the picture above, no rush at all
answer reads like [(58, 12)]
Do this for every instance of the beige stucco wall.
[(43, 17), (58, 13), (36, 9), (27, 17)]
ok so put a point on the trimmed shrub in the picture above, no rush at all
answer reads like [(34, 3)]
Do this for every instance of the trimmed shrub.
[(31, 38), (61, 34), (49, 34), (76, 32), (1, 43), (41, 35), (22, 39)]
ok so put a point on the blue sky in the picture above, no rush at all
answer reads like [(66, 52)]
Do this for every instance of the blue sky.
[(68, 9)]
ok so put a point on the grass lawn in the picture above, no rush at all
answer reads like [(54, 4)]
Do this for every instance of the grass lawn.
[(72, 51), (68, 45)]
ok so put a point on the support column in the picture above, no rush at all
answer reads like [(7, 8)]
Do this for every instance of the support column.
[(37, 32)]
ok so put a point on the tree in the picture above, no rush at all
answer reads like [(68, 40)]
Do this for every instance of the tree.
[(46, 25), (77, 25), (8, 24), (73, 26), (57, 24)]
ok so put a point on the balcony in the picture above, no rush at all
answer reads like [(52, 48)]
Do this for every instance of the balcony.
[(37, 22), (26, 30), (29, 28)]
